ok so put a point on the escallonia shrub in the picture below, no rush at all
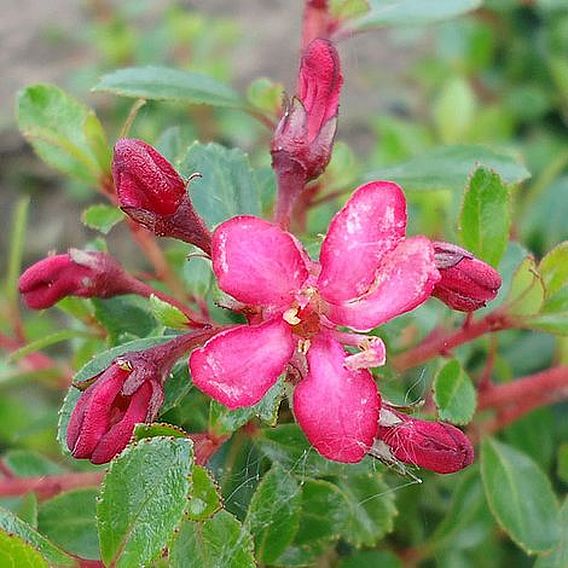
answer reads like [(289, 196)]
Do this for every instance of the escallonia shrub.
[(288, 353)]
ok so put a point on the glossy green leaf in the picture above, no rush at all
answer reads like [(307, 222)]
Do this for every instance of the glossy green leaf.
[(204, 499), (164, 83), (13, 525), (527, 290), (166, 314), (69, 521), (220, 542), (228, 186), (554, 269), (448, 167), (558, 558), (143, 497), (101, 217), (17, 553), (274, 514), (519, 496), (410, 13), (485, 217), (64, 132), (371, 508), (454, 394)]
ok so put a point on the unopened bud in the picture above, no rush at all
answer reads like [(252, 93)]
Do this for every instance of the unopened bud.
[(467, 283)]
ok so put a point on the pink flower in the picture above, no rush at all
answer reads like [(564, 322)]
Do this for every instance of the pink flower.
[(368, 274), (87, 274), (467, 283), (436, 446)]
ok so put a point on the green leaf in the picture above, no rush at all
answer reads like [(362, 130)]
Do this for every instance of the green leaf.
[(266, 95), (554, 269), (371, 508), (224, 421), (166, 314), (519, 496), (157, 429), (454, 394), (65, 133), (102, 218), (27, 463), (274, 514), (142, 500), (166, 84), (485, 217), (371, 559), (12, 525), (559, 556), (228, 186), (448, 167), (562, 462), (16, 552), (17, 240), (454, 110), (65, 412), (220, 542), (69, 521), (384, 13), (204, 499), (527, 290)]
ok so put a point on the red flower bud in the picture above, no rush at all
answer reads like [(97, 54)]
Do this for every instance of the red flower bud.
[(467, 283), (436, 446), (306, 132), (86, 274), (152, 193), (144, 179)]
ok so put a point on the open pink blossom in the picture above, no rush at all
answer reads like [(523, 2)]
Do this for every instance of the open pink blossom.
[(368, 274)]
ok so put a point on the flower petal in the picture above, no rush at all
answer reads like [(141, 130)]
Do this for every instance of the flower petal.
[(337, 408), (368, 226), (405, 280), (256, 262), (237, 366)]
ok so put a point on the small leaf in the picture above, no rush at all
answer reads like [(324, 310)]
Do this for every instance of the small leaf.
[(204, 499), (265, 95), (164, 83), (274, 514), (157, 429), (218, 542), (454, 394), (16, 552), (143, 497), (166, 314), (454, 110), (12, 525), (558, 558), (69, 521), (65, 133), (228, 186), (527, 290), (554, 269), (519, 496), (485, 217), (102, 218)]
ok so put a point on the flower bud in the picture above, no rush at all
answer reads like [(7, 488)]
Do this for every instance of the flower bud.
[(87, 274), (436, 446), (467, 283), (306, 132)]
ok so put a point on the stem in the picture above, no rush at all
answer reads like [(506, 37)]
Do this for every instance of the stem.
[(291, 179), (438, 344), (317, 21)]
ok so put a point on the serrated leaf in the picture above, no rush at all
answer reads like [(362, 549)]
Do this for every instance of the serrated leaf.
[(54, 556), (454, 394), (166, 314), (69, 521), (388, 13), (204, 498), (16, 552), (157, 429), (164, 83), (143, 497), (220, 542), (102, 218), (527, 290), (371, 508), (519, 496), (447, 168), (554, 269), (65, 133), (228, 186), (558, 558), (485, 217), (274, 514)]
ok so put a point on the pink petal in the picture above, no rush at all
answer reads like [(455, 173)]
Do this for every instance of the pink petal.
[(368, 226), (237, 366), (256, 262), (337, 408), (404, 281)]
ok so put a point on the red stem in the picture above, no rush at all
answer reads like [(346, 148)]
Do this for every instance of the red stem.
[(317, 21)]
